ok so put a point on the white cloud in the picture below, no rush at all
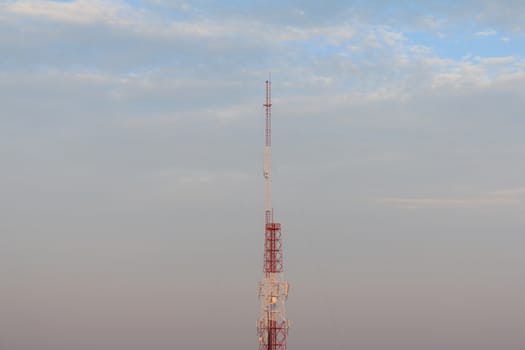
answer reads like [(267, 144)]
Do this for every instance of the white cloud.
[(489, 32), (172, 4), (120, 15), (513, 192), (79, 11), (420, 203), (509, 197), (497, 60), (478, 72)]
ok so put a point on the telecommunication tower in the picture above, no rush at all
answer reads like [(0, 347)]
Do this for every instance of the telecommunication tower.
[(272, 326)]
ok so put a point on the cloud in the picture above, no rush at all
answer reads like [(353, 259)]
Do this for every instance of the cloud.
[(507, 60), (419, 203), (511, 197), (119, 15), (79, 11), (490, 32), (304, 15), (514, 192)]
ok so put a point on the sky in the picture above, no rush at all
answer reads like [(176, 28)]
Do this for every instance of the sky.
[(131, 188)]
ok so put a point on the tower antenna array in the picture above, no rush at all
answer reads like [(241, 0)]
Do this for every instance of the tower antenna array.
[(272, 326)]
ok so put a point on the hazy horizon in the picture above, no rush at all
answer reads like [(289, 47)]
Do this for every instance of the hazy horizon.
[(131, 192)]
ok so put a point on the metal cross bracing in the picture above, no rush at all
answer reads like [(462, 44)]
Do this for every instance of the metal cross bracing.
[(272, 326), (273, 256)]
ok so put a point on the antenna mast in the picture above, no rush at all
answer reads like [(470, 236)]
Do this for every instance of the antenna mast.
[(272, 327), (268, 151)]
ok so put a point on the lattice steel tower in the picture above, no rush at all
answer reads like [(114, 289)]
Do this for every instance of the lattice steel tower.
[(272, 326)]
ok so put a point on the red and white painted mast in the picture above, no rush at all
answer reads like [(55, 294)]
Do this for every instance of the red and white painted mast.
[(272, 326)]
